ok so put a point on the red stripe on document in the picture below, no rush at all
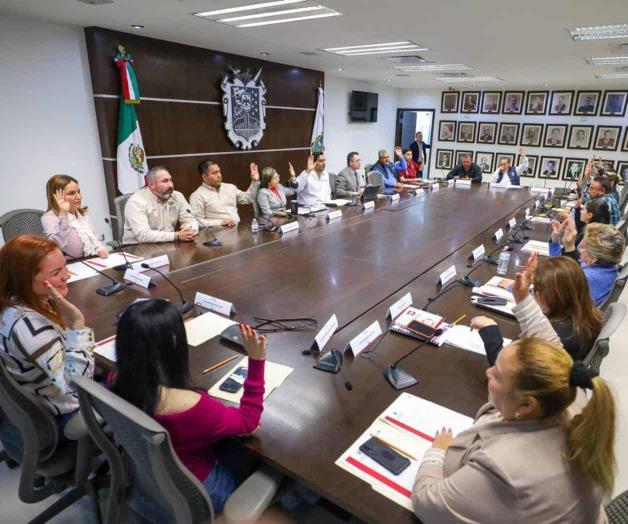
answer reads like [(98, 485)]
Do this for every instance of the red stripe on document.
[(92, 263), (103, 342), (378, 476), (409, 428), (128, 255)]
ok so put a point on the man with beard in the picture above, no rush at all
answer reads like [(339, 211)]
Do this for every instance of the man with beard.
[(153, 212)]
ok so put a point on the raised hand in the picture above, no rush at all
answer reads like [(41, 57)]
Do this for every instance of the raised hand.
[(523, 281), (569, 235), (522, 152), (254, 344), (291, 171), (310, 163), (397, 150), (254, 171), (70, 313), (557, 229), (62, 203)]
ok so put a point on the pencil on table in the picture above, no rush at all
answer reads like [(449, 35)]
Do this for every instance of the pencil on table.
[(392, 446), (220, 364), (458, 320)]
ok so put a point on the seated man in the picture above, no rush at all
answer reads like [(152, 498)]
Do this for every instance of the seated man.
[(601, 188), (507, 175), (467, 170), (214, 203), (351, 180), (388, 170), (152, 213), (312, 185)]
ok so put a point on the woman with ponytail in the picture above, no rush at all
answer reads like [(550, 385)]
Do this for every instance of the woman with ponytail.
[(536, 452)]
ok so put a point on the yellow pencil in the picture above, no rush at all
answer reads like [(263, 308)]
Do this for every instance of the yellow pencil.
[(73, 273), (392, 446), (220, 364), (461, 318)]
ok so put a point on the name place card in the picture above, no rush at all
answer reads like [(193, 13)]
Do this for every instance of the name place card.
[(498, 235), (290, 226), (447, 276), (545, 190), (477, 253), (394, 197), (512, 222), (334, 215), (214, 304), (528, 213), (138, 278), (435, 187), (463, 183), (397, 308), (359, 343), (159, 261), (451, 182), (368, 205), (326, 332)]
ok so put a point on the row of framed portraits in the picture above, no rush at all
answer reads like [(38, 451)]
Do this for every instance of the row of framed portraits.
[(548, 167), (582, 103), (601, 138)]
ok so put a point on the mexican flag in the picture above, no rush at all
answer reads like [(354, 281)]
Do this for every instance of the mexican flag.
[(131, 156), (317, 143)]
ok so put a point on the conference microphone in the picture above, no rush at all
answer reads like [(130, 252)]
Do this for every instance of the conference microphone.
[(118, 249), (397, 377), (105, 291), (270, 226), (214, 242), (443, 291), (184, 306)]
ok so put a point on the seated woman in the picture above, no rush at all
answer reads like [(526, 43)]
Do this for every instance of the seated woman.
[(409, 174), (272, 195), (43, 337), (151, 337), (594, 211), (561, 292), (599, 253), (67, 223), (535, 452)]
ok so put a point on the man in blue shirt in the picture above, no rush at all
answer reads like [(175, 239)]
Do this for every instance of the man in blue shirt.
[(601, 188), (388, 170)]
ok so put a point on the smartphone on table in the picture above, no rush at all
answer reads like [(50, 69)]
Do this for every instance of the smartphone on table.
[(235, 381)]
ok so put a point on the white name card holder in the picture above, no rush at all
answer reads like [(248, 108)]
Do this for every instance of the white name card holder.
[(477, 254), (544, 190), (359, 343), (447, 276), (398, 307), (498, 235), (419, 191), (290, 226), (214, 304), (334, 215), (368, 205), (451, 182), (394, 197), (325, 333), (463, 183), (159, 261), (512, 223), (135, 277), (435, 187), (528, 214)]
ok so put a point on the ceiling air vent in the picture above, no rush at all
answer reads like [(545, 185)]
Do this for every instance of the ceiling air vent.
[(455, 75)]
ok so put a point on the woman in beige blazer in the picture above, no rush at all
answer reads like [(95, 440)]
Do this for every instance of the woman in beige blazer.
[(539, 451)]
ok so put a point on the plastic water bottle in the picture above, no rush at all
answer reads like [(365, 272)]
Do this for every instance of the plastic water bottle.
[(504, 258), (254, 226)]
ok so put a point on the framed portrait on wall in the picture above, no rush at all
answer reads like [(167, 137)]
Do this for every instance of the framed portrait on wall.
[(536, 103), (614, 103), (580, 137), (447, 131), (606, 138), (555, 135), (508, 133), (444, 158), (491, 102), (466, 132), (530, 171), (624, 146), (531, 135), (470, 102), (587, 103), (513, 102), (449, 102), (610, 165), (485, 161), (487, 132), (461, 153), (573, 168), (622, 171), (561, 102), (550, 167)]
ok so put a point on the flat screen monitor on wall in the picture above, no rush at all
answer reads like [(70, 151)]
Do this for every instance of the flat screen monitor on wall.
[(363, 106)]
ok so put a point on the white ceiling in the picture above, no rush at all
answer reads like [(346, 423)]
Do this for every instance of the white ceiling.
[(523, 42)]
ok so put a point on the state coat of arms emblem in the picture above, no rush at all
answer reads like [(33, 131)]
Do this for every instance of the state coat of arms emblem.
[(244, 108)]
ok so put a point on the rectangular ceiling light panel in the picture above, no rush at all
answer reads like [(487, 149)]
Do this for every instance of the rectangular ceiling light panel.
[(434, 67), (375, 49), (468, 79), (599, 32), (608, 60)]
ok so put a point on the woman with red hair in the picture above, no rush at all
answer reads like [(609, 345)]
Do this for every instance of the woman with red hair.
[(43, 338)]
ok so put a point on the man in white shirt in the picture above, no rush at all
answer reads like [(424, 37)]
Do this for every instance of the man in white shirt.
[(312, 185), (506, 175), (152, 213), (215, 203)]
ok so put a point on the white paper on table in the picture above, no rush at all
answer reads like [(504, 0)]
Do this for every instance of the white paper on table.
[(79, 271), (464, 337), (338, 202), (541, 220), (206, 326), (304, 210), (274, 375), (421, 417), (492, 289), (542, 248), (107, 348)]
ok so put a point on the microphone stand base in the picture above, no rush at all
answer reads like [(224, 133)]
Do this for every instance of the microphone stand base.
[(185, 307), (490, 260), (398, 378), (105, 291), (330, 362), (213, 243), (469, 282), (123, 267)]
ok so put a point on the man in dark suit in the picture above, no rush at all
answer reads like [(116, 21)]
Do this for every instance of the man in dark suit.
[(419, 152), (350, 181), (587, 106), (466, 170)]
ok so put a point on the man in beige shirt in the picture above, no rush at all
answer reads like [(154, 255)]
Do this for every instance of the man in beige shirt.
[(152, 213), (215, 203)]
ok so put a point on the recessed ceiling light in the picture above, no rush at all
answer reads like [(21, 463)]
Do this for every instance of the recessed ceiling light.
[(545, 85), (435, 67), (271, 13), (250, 7), (611, 76), (346, 48), (264, 53), (468, 79), (375, 49), (607, 60), (340, 69), (137, 26), (599, 32)]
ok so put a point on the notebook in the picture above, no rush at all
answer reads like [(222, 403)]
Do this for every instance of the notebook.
[(428, 323)]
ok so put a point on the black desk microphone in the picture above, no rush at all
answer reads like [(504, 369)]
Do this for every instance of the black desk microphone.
[(184, 306)]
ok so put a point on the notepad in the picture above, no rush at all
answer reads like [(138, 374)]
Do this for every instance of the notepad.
[(491, 289), (106, 348), (204, 327), (542, 248), (464, 337), (338, 202), (274, 376), (80, 270)]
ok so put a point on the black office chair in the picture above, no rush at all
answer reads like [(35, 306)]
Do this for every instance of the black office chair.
[(617, 509), (49, 465), (146, 474), (613, 317)]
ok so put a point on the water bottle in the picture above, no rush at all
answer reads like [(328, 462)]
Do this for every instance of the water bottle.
[(504, 258), (254, 226)]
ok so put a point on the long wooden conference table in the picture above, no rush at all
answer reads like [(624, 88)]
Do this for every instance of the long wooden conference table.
[(355, 268)]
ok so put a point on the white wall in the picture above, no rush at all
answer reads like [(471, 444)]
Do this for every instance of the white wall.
[(341, 136), (47, 115)]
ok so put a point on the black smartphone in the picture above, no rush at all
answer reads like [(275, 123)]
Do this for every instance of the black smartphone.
[(422, 330), (235, 381), (492, 301), (385, 456)]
